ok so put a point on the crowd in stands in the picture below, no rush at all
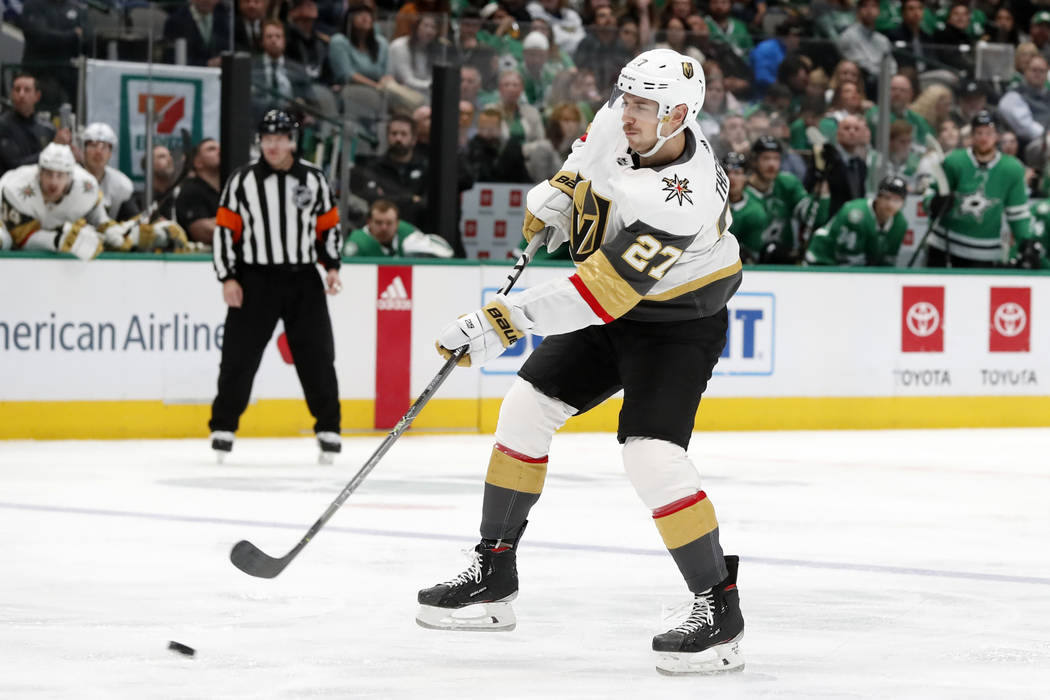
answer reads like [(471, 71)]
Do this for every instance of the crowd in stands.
[(790, 106)]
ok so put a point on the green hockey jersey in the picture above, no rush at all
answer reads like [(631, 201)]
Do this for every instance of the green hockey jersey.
[(1038, 228), (409, 242), (854, 237), (984, 194), (766, 216)]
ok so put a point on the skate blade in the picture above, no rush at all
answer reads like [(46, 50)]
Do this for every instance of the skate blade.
[(326, 458), (723, 658), (482, 617), (220, 456)]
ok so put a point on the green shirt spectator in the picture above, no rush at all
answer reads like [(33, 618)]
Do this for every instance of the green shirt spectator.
[(384, 235)]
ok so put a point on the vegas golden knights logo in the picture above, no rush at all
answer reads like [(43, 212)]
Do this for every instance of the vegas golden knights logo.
[(590, 217), (687, 69)]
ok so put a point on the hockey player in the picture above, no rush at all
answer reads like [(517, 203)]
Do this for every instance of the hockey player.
[(56, 205), (117, 190), (779, 193), (1032, 253), (642, 203), (864, 231), (984, 186)]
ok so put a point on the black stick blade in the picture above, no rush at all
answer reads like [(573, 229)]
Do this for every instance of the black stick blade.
[(254, 562)]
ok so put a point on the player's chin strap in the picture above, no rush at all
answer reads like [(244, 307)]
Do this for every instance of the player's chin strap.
[(661, 140)]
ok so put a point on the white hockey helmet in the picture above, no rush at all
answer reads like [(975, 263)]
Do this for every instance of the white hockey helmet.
[(669, 79), (58, 157), (100, 131)]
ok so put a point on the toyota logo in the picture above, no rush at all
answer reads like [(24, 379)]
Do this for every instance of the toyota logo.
[(923, 319), (1010, 319)]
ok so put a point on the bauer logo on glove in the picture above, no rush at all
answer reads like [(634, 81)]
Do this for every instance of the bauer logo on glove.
[(504, 324)]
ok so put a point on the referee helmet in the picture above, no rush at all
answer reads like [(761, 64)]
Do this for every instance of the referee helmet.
[(277, 121)]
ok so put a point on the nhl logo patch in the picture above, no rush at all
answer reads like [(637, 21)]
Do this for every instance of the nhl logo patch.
[(302, 197)]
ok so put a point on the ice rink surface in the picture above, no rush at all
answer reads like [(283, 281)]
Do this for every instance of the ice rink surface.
[(873, 565)]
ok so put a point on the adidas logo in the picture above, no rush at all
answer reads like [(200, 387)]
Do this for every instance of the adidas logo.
[(394, 297)]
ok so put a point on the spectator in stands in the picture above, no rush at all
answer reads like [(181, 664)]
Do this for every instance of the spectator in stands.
[(467, 110), (901, 96), (565, 23), (117, 190), (385, 235), (956, 33), (972, 100), (847, 162), (475, 53), (407, 18), (811, 111), (521, 120), (279, 80), (717, 104), (398, 175), (1039, 32), (848, 100), (1026, 107), (904, 155), (411, 55), (909, 38), (793, 74), (198, 197), (55, 31), (544, 157), (359, 55), (22, 133), (558, 58), (628, 35), (163, 181), (934, 104), (672, 35), (864, 46), (501, 32), (421, 117), (538, 72), (248, 30), (205, 25), (470, 87), (600, 50), (304, 44), (1003, 29), (491, 156), (767, 56), (845, 72), (724, 27)]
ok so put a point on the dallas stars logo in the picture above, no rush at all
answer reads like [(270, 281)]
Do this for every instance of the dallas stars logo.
[(975, 204), (677, 188)]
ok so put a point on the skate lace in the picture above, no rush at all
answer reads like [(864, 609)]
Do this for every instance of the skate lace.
[(472, 573), (703, 613)]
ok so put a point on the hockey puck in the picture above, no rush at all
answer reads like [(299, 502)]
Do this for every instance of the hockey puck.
[(182, 648)]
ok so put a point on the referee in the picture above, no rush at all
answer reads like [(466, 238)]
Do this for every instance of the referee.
[(276, 220)]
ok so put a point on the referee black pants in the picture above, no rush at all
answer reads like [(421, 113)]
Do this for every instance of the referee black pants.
[(296, 296)]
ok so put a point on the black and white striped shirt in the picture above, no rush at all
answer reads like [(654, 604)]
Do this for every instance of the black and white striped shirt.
[(274, 217)]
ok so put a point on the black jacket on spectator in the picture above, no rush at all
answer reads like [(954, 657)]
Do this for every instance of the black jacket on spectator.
[(242, 41), (401, 183), (180, 25), (489, 161), (22, 139), (913, 52), (846, 176), (196, 200), (948, 41), (310, 52), (49, 28)]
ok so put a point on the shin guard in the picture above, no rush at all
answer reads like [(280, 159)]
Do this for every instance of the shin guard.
[(512, 486)]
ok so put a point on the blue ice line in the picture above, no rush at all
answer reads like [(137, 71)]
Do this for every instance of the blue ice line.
[(569, 546)]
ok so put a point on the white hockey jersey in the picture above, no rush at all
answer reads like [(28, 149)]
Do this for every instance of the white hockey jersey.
[(29, 222), (649, 243), (117, 188)]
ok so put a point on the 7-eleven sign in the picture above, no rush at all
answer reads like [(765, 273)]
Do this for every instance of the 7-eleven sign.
[(177, 105), (168, 110)]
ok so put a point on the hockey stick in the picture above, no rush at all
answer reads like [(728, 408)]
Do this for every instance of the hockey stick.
[(254, 562), (817, 140)]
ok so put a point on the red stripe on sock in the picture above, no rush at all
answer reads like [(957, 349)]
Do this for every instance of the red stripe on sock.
[(501, 549), (680, 504), (519, 456), (729, 587)]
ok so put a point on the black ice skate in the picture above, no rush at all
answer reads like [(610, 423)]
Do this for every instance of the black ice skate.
[(331, 444), (709, 639), (477, 599), (222, 444)]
